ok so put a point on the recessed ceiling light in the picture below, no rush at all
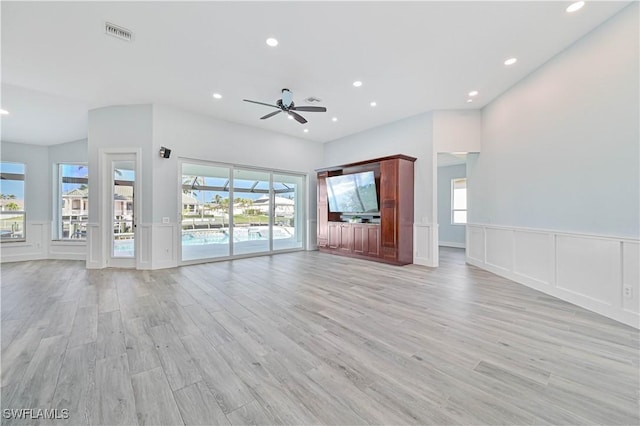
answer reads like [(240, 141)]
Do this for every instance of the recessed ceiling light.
[(334, 119), (469, 101), (573, 7), (357, 83), (217, 95), (4, 112), (373, 104), (473, 93), (290, 117), (511, 61), (272, 42), (306, 130)]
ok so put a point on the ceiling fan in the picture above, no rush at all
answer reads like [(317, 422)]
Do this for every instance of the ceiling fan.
[(286, 105)]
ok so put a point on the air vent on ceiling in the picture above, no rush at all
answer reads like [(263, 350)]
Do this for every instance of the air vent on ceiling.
[(312, 99), (117, 32)]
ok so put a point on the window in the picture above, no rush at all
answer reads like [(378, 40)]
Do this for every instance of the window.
[(459, 201), (12, 214), (74, 201)]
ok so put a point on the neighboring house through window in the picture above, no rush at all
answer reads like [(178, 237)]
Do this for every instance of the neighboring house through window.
[(74, 201)]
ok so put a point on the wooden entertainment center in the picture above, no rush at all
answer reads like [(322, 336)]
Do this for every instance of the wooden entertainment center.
[(384, 236)]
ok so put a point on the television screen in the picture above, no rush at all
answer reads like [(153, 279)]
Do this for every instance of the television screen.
[(354, 193)]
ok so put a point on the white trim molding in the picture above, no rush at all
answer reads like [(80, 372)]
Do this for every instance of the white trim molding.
[(451, 244), (94, 247), (590, 271), (312, 234)]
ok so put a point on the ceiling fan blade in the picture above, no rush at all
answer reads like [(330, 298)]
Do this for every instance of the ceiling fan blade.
[(270, 115), (261, 103), (300, 119), (309, 108)]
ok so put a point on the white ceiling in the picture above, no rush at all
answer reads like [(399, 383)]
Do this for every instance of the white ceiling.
[(412, 57)]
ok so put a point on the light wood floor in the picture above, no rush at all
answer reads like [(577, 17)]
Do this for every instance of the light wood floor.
[(307, 338)]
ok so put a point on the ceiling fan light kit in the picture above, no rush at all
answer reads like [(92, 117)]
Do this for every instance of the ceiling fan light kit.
[(286, 104)]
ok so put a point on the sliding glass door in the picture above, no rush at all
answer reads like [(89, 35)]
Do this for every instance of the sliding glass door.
[(232, 211), (206, 225), (288, 213), (251, 211)]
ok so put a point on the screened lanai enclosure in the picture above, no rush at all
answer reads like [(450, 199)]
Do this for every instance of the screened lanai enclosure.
[(230, 211)]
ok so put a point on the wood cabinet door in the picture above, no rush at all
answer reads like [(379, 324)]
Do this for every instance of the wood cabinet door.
[(360, 239), (388, 208), (345, 238), (323, 211), (373, 241), (334, 235)]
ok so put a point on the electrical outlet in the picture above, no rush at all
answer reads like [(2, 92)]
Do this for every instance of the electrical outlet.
[(628, 291), (165, 220)]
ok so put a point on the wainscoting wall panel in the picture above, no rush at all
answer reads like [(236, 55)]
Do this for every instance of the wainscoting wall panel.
[(68, 250), (94, 255), (35, 247), (475, 243), (163, 252), (533, 256), (422, 244), (631, 276), (499, 248), (588, 267), (145, 233), (586, 270)]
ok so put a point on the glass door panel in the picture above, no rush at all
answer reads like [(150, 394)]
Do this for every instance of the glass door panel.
[(123, 241), (288, 212), (251, 211), (206, 209)]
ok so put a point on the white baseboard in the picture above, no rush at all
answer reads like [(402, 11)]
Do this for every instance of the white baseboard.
[(586, 270), (451, 244)]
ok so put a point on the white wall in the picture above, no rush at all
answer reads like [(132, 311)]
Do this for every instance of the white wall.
[(448, 234), (40, 188), (457, 131), (195, 136), (37, 177), (117, 129), (560, 149), (414, 137), (191, 136), (559, 164)]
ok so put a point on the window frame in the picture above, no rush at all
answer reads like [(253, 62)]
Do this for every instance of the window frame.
[(453, 209), (59, 232)]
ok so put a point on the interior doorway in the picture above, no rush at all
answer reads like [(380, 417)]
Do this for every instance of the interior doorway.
[(451, 188)]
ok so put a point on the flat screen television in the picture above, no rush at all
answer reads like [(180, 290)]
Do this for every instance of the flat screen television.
[(353, 193)]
